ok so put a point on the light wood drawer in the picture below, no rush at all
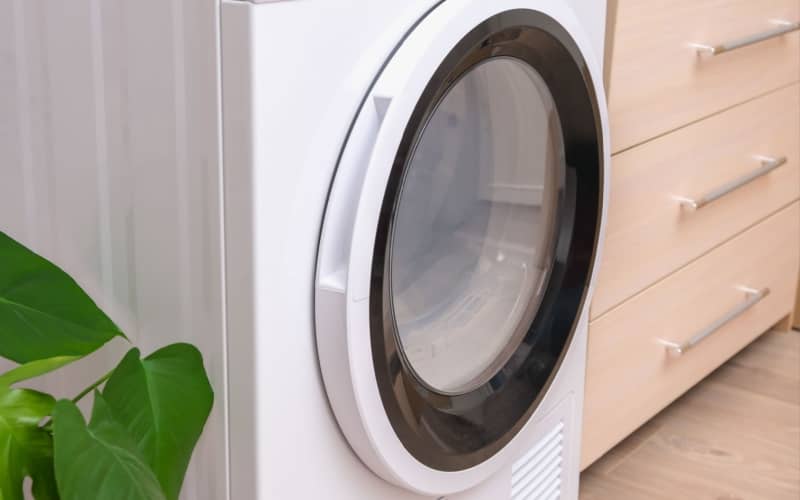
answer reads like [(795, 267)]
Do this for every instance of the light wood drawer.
[(649, 233), (659, 83), (631, 375), (797, 309)]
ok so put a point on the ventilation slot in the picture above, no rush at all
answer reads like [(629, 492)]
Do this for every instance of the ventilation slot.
[(537, 475)]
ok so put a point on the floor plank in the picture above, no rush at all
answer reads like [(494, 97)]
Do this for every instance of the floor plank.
[(736, 435)]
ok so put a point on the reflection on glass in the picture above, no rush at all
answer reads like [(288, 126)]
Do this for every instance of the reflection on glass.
[(473, 226)]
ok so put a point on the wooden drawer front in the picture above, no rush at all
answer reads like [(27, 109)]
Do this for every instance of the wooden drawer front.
[(649, 233), (631, 375), (658, 82), (797, 309)]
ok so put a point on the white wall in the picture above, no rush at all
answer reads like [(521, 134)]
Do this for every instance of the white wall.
[(109, 166)]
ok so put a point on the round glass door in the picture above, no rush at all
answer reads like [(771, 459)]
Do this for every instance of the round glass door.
[(474, 227), (486, 239)]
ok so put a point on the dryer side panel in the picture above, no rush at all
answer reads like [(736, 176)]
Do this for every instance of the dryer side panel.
[(294, 74)]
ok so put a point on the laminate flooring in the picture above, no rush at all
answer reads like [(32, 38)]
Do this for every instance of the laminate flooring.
[(734, 436)]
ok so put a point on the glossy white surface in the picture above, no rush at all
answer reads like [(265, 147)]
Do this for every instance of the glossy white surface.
[(109, 166), (290, 96)]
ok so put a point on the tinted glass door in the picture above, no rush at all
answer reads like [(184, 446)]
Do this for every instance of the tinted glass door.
[(486, 239), (474, 225)]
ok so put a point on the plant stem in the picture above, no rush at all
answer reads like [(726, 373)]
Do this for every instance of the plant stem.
[(92, 387), (49, 420)]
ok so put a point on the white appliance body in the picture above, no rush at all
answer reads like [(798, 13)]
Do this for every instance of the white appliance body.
[(188, 163), (316, 98)]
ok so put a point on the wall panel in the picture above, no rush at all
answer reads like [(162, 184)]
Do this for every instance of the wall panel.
[(109, 166)]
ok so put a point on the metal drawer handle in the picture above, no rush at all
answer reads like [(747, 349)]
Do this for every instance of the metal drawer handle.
[(768, 164), (754, 297), (782, 28)]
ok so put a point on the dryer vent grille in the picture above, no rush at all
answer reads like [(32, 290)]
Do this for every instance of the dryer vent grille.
[(537, 475)]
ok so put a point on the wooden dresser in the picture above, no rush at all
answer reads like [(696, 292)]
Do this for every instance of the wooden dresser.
[(703, 238)]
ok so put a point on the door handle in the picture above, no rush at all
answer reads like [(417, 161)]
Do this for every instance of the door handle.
[(783, 27), (768, 164), (754, 297)]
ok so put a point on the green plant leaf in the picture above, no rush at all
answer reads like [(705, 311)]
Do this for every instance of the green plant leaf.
[(99, 461), (43, 312), (163, 400), (35, 369), (25, 449)]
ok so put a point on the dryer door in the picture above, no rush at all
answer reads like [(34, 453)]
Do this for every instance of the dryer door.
[(472, 182)]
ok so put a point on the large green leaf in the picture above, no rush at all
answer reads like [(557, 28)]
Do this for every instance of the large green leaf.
[(163, 401), (99, 461), (25, 449), (34, 369), (43, 312)]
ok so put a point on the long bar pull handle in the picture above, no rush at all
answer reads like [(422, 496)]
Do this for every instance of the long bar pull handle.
[(768, 164), (754, 297), (781, 29)]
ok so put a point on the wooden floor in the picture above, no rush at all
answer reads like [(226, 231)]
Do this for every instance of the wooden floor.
[(735, 436)]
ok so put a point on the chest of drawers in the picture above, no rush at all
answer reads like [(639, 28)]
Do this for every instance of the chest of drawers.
[(703, 236)]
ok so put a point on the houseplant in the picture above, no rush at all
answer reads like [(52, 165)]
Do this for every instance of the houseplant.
[(147, 414)]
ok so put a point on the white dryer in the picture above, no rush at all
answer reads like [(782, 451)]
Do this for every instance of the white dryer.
[(414, 206)]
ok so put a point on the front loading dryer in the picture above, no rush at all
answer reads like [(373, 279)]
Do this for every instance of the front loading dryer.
[(414, 208)]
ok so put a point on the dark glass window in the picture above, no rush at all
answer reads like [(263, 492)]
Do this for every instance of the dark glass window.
[(473, 230), (486, 239)]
